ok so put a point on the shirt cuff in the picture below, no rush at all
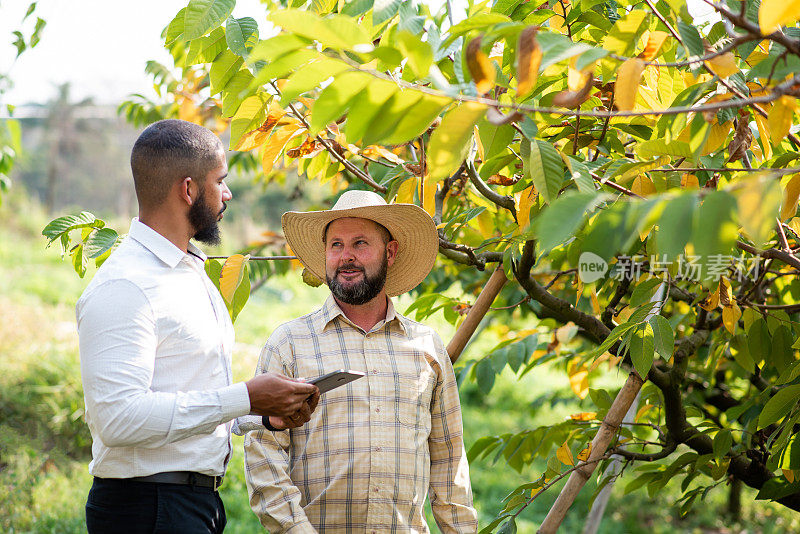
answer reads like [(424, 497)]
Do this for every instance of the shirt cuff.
[(234, 401)]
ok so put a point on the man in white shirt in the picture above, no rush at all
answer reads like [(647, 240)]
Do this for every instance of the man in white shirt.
[(155, 344)]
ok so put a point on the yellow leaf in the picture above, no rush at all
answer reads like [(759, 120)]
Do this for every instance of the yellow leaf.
[(711, 302), (789, 474), (723, 65), (730, 316), (486, 224), (252, 140), (231, 276), (405, 193), (628, 77), (376, 151), (428, 195), (564, 334), (791, 193), (689, 181), (758, 202), (524, 202), (643, 186), (760, 53), (558, 21), (643, 410), (794, 224), (564, 455), (717, 136), (595, 302), (578, 290), (585, 453), (763, 133), (529, 57), (579, 381), (726, 297), (276, 143), (780, 118), (480, 67), (583, 416), (654, 42), (776, 13), (452, 139)]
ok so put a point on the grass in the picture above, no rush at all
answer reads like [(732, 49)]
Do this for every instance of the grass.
[(45, 446)]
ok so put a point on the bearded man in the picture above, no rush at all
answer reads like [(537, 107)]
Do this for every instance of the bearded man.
[(155, 345), (377, 447)]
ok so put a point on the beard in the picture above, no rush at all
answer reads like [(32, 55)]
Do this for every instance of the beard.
[(361, 292), (205, 221)]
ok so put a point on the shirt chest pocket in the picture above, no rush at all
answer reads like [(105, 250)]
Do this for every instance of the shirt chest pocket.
[(414, 400)]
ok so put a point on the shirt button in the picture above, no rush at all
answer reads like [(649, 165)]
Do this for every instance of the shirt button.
[(375, 490), (377, 449), (374, 371), (377, 410)]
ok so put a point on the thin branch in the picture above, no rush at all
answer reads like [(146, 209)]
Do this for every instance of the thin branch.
[(691, 61), (666, 449), (791, 170), (772, 253), (506, 202), (257, 258)]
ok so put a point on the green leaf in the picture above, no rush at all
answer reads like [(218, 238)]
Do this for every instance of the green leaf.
[(223, 69), (509, 527), (398, 106), (236, 91), (366, 106), (204, 15), (99, 242), (276, 47), (759, 341), (581, 176), (79, 260), (660, 147), (417, 120), (283, 66), (240, 296), (714, 233), (675, 226), (663, 336), (322, 7), (384, 10), (63, 225), (741, 353), (642, 348), (310, 76), (779, 406), (494, 139), (777, 488), (417, 52), (485, 374), (175, 28), (692, 38), (622, 38), (251, 115), (452, 139), (547, 169), (213, 270), (722, 443), (242, 35), (644, 291), (336, 98), (559, 221), (337, 31), (206, 49), (556, 48), (790, 455)]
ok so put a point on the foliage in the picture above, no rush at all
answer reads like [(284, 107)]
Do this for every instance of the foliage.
[(632, 174)]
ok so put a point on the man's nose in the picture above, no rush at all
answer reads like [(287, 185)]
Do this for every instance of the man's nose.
[(226, 194)]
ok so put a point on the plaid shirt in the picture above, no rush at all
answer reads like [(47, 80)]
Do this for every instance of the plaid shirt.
[(373, 448)]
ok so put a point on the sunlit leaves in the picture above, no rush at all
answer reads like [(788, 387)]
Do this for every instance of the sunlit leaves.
[(723, 65), (451, 140), (642, 348), (772, 14), (249, 117), (791, 194), (480, 68), (655, 40), (337, 31), (629, 76), (780, 118), (234, 284), (625, 34), (563, 217), (779, 405), (334, 100), (529, 58), (241, 35), (758, 204), (202, 16), (547, 169)]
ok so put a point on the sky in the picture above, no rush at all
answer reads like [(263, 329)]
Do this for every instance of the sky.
[(101, 46)]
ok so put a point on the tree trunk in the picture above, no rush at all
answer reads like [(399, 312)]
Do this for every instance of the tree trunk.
[(476, 313), (735, 500)]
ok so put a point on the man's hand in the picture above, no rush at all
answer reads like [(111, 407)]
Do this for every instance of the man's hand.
[(299, 418), (277, 395)]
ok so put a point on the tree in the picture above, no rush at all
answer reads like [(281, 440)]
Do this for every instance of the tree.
[(632, 176)]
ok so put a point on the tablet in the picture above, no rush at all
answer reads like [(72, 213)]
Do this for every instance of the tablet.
[(335, 379)]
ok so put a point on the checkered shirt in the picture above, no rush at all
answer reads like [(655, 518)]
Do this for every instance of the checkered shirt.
[(373, 448)]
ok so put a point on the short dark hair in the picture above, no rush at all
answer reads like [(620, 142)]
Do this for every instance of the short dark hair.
[(168, 151), (385, 233)]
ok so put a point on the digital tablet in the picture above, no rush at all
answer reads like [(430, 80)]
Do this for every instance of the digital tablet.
[(335, 379)]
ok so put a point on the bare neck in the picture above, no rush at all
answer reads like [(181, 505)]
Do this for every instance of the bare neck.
[(173, 226), (366, 315)]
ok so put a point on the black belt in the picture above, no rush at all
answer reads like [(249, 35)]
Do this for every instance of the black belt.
[(182, 477)]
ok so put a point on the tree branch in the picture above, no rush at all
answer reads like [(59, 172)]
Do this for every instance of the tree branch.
[(506, 202)]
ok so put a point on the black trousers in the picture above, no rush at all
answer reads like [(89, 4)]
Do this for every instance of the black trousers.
[(121, 506)]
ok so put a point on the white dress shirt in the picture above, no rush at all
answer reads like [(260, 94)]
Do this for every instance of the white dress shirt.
[(155, 345)]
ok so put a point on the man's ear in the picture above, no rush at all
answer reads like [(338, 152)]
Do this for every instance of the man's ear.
[(187, 190), (391, 251)]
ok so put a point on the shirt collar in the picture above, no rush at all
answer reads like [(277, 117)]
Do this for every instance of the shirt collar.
[(330, 311), (159, 245)]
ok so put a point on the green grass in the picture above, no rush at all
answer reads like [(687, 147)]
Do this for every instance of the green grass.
[(44, 444)]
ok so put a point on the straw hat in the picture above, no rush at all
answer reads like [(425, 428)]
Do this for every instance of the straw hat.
[(410, 226)]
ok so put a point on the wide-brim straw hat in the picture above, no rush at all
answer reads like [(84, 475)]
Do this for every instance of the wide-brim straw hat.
[(410, 225)]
